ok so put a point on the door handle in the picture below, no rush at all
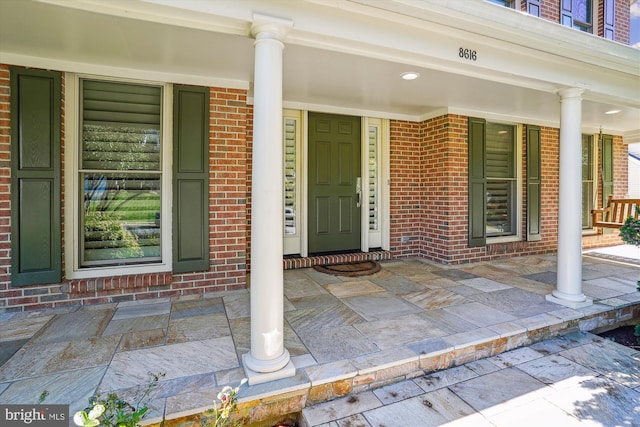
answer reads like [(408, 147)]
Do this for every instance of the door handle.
[(359, 191)]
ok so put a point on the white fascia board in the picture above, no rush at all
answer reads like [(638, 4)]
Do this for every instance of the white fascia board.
[(336, 109), (631, 137), (513, 48), (478, 17), (127, 73), (165, 12), (523, 51)]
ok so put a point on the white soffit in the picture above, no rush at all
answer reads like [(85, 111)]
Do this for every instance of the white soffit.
[(342, 53)]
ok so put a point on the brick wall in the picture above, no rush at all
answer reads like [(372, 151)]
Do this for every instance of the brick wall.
[(428, 176), (445, 190), (249, 137), (429, 197), (620, 188), (5, 183), (550, 10), (227, 220), (406, 187), (623, 29)]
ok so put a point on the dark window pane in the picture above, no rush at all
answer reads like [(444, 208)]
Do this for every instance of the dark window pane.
[(507, 3), (500, 208), (120, 219), (582, 11), (120, 126), (500, 163)]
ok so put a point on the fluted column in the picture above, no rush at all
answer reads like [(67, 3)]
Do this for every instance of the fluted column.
[(568, 290), (268, 359)]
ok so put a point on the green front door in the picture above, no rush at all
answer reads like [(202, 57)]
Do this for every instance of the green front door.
[(334, 175)]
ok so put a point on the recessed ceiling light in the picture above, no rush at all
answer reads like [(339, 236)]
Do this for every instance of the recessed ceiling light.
[(612, 111), (410, 75)]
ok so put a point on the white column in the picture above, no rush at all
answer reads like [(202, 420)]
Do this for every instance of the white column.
[(568, 290), (268, 359)]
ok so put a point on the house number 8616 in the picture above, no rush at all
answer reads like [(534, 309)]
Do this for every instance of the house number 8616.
[(467, 54)]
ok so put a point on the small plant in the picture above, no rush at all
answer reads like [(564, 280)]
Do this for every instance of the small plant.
[(630, 231), (112, 411), (223, 410), (630, 234)]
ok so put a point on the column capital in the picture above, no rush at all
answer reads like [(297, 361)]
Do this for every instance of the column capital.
[(270, 27), (570, 92)]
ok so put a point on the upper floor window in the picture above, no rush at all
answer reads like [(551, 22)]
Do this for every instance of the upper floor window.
[(532, 7), (507, 3), (577, 14)]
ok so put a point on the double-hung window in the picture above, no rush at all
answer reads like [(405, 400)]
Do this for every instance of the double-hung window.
[(495, 178), (531, 6), (500, 164), (118, 169), (577, 14), (506, 3)]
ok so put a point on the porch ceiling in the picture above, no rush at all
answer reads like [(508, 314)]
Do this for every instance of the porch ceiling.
[(155, 41)]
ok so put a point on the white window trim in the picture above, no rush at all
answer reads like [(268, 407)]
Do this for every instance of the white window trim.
[(379, 238), (72, 185), (376, 238), (292, 242), (597, 178), (518, 223)]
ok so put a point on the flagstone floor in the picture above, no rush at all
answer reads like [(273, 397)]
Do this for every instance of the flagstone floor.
[(574, 380), (336, 328)]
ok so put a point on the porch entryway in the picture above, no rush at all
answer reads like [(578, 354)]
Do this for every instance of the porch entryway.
[(335, 183)]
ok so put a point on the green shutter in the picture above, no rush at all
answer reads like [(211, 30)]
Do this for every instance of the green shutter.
[(35, 177), (607, 167), (534, 187), (190, 179), (607, 172), (477, 183)]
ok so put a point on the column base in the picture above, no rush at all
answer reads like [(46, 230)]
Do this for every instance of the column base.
[(254, 377), (569, 303)]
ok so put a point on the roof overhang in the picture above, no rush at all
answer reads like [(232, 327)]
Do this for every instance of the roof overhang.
[(343, 56)]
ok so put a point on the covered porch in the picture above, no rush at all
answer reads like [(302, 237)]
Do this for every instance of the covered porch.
[(344, 335)]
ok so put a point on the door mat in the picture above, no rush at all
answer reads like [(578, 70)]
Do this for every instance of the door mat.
[(350, 269)]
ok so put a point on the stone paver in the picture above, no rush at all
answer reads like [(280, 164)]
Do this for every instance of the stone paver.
[(381, 341), (546, 391)]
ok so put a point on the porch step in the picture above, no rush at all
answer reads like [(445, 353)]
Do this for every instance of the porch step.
[(319, 384), (307, 262)]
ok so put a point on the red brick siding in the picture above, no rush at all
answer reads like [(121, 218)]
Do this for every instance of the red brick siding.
[(435, 213), (622, 29), (445, 193), (249, 137), (620, 189), (5, 184), (428, 175), (550, 10), (406, 187)]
